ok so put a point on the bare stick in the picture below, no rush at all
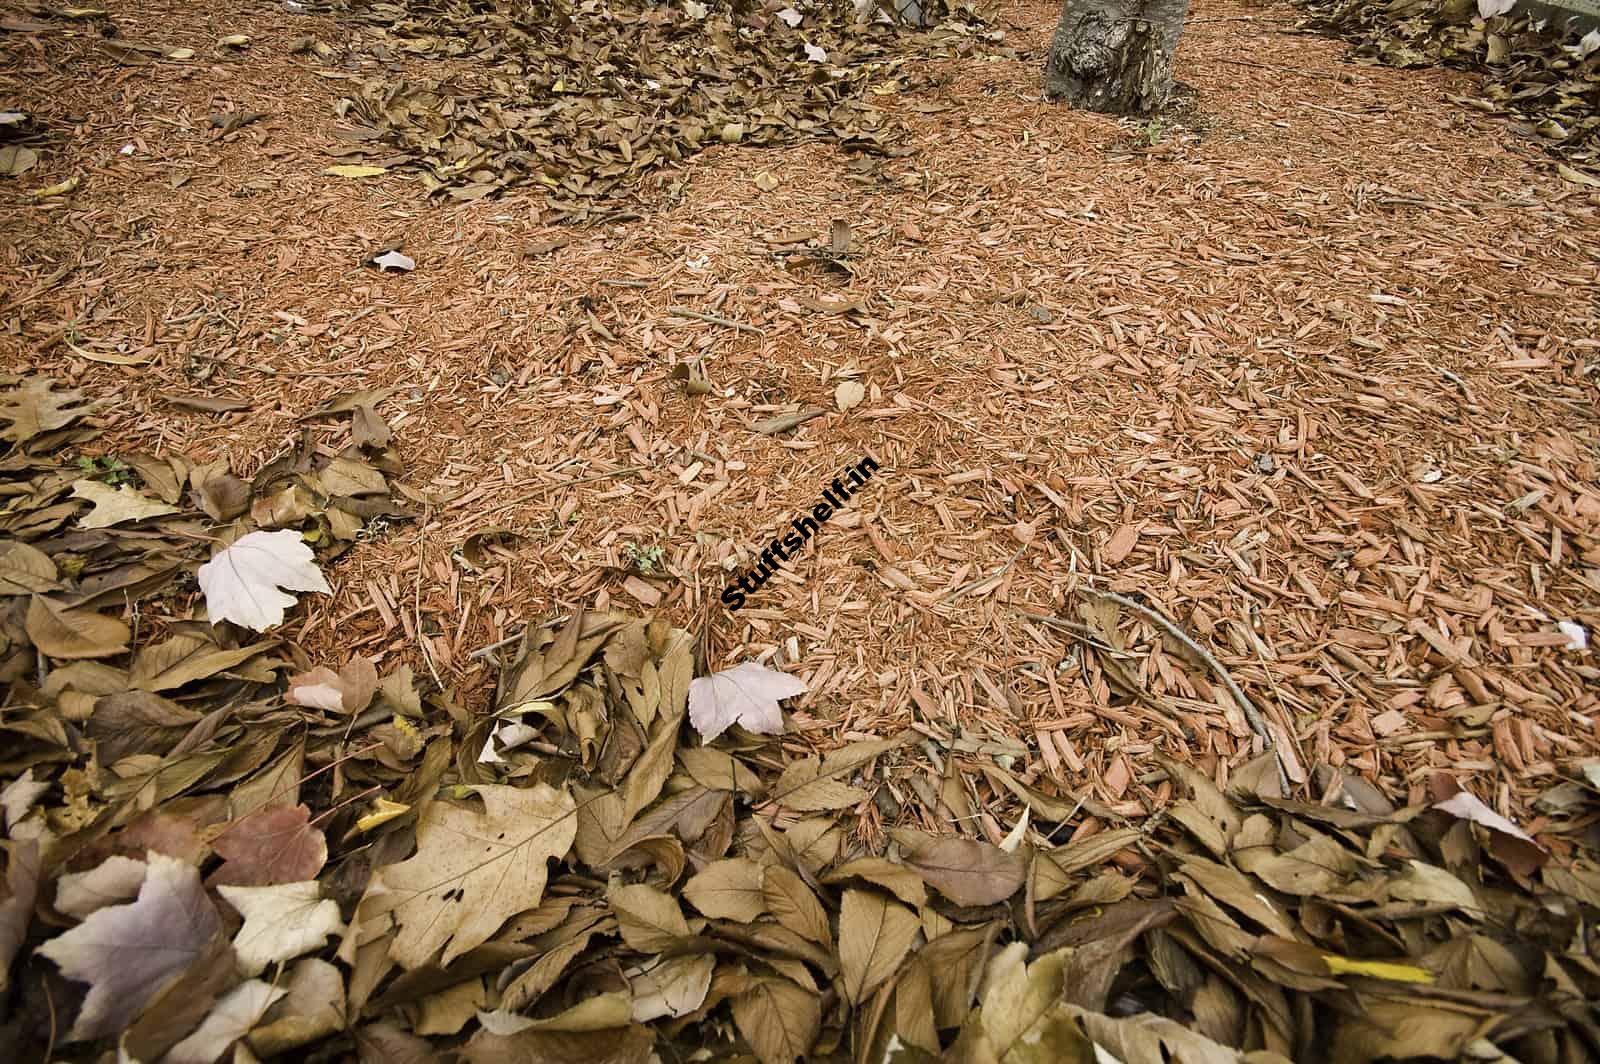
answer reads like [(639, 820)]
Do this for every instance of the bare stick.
[(1157, 618), (716, 319)]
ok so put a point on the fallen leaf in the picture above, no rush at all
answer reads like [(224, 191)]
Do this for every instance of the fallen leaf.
[(730, 889), (649, 920), (35, 408), (383, 811), (113, 506), (394, 260), (235, 40), (874, 936), (794, 905), (765, 181), (746, 695), (206, 404), (241, 582), (15, 160), (313, 1009), (113, 881), (350, 690), (849, 394), (273, 845), (473, 871), (280, 922), (126, 952), (1120, 545), (814, 54), (16, 911), (673, 988), (72, 634), (779, 1019), (966, 871), (61, 188), (693, 374), (1401, 973), (230, 1021), (1508, 843)]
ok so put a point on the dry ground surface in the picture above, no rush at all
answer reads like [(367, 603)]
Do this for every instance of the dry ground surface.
[(1313, 373)]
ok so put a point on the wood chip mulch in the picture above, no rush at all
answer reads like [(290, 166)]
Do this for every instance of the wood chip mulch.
[(1309, 369)]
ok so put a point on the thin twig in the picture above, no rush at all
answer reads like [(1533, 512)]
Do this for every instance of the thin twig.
[(717, 319), (964, 588), (1159, 619)]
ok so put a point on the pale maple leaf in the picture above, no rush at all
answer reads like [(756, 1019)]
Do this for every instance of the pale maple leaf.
[(127, 953), (231, 1019), (280, 922), (746, 694), (242, 582)]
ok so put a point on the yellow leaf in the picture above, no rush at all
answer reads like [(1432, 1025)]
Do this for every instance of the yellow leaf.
[(383, 811), (235, 40), (1400, 973), (56, 190), (355, 171), (181, 53)]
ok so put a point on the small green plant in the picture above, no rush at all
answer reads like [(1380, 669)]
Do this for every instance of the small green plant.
[(644, 559), (109, 469), (1151, 134)]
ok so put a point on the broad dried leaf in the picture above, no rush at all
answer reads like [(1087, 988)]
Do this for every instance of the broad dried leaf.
[(966, 871), (747, 695), (728, 890), (242, 582), (874, 937), (272, 845), (127, 952), (673, 988), (793, 904), (779, 1019), (473, 871), (280, 922), (25, 569), (650, 921), (314, 1008), (113, 506), (73, 634), (34, 409)]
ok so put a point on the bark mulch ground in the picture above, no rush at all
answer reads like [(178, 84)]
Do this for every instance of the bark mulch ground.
[(1306, 371)]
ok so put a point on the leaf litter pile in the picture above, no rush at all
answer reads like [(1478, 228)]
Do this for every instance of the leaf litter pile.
[(216, 850), (1535, 69), (584, 99)]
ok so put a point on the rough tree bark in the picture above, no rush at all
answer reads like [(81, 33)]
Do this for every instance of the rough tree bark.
[(1114, 56)]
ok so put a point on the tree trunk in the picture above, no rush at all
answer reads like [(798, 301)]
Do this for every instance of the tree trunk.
[(1114, 56)]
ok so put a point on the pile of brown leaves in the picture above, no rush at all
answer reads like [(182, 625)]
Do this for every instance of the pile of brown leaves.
[(1534, 68), (209, 854), (586, 98)]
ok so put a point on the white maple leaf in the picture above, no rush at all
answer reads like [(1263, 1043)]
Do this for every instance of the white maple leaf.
[(393, 260), (790, 16), (746, 694), (1491, 8), (280, 922), (695, 10), (816, 54), (242, 582)]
